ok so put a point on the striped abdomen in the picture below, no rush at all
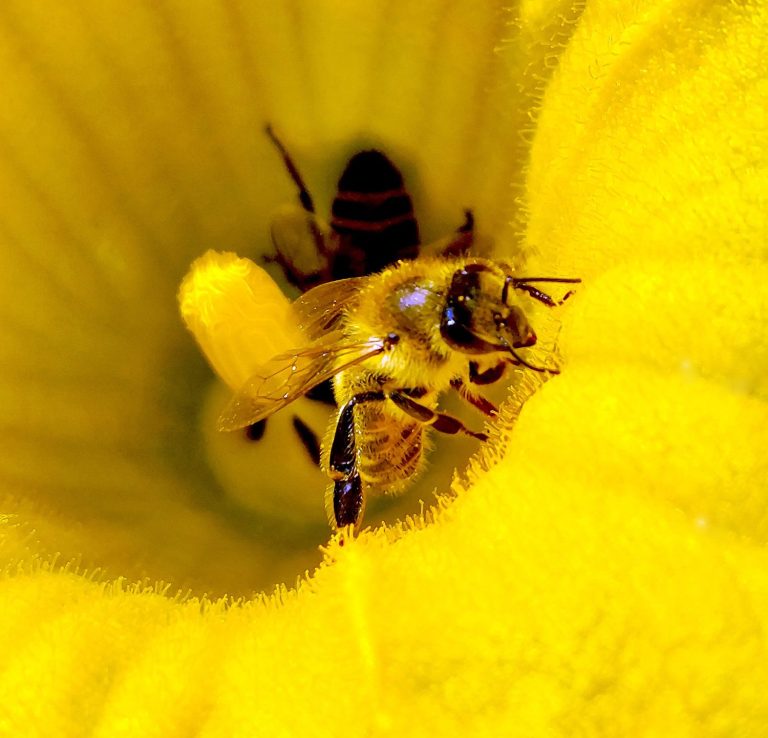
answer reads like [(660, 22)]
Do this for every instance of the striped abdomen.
[(372, 217), (391, 449)]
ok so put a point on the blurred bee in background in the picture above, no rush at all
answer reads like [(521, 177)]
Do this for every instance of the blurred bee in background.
[(392, 343), (372, 227)]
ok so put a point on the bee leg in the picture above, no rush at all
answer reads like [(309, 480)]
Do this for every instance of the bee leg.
[(343, 457), (477, 401), (304, 197), (348, 501), (441, 422), (322, 393), (489, 376), (308, 439), (462, 242), (468, 226), (296, 278), (255, 431), (348, 493)]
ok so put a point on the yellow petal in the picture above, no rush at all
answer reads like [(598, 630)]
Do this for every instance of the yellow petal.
[(651, 139)]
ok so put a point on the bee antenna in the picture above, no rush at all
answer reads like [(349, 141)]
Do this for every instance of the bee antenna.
[(563, 280), (524, 285)]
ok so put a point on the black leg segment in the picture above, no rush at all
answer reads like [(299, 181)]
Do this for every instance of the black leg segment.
[(463, 240), (342, 459), (304, 197), (308, 439), (348, 493), (348, 500), (489, 376), (255, 431)]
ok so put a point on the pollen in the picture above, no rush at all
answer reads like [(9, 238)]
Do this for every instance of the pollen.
[(237, 314)]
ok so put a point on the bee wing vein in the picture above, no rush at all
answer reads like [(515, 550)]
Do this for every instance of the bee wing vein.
[(288, 376), (319, 310)]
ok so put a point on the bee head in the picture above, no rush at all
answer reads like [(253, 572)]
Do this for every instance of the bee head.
[(476, 318)]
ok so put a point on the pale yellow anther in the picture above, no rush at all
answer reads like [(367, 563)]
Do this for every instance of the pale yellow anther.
[(237, 313)]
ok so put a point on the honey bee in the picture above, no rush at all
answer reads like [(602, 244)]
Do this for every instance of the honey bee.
[(392, 343), (372, 227)]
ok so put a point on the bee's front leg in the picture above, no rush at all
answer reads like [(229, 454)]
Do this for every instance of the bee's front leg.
[(348, 492), (477, 401), (488, 376)]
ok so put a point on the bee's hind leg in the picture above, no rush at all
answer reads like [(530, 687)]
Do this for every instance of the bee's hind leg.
[(322, 393), (308, 439), (348, 501)]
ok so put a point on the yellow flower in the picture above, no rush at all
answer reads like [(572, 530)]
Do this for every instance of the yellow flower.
[(599, 571)]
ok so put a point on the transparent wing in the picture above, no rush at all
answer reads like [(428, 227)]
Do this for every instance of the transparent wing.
[(319, 311), (288, 376), (299, 237)]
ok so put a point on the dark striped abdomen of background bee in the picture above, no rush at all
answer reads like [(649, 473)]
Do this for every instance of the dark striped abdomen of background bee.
[(372, 218), (372, 223)]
